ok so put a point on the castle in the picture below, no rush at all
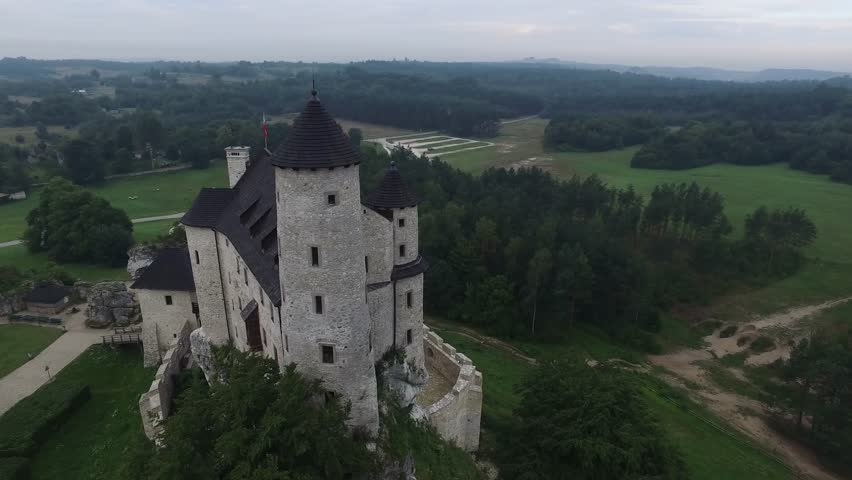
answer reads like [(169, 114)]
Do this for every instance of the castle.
[(291, 263)]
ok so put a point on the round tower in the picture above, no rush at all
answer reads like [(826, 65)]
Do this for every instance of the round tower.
[(321, 261), (395, 201)]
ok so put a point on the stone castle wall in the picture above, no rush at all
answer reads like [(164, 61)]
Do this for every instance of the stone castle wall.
[(456, 416), (406, 235), (155, 404), (162, 323), (208, 283)]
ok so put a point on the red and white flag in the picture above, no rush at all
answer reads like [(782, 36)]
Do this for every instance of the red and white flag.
[(265, 127)]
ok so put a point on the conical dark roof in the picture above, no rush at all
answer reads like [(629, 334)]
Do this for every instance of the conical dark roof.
[(392, 192), (315, 141)]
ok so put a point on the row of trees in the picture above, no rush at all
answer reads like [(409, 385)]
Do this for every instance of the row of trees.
[(824, 147), (518, 252), (599, 133)]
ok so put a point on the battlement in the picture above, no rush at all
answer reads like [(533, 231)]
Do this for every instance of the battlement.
[(456, 415)]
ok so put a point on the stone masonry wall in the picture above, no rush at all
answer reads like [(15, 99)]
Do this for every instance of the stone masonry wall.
[(457, 415), (406, 235), (162, 323), (155, 404), (208, 283)]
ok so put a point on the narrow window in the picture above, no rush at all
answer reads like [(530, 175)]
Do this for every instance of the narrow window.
[(197, 260), (401, 222), (275, 352), (401, 251), (327, 354), (168, 299), (408, 336), (245, 275), (315, 256), (286, 343), (409, 299), (318, 304), (238, 266), (227, 243), (367, 264), (332, 199), (241, 303), (263, 332), (262, 300), (329, 397)]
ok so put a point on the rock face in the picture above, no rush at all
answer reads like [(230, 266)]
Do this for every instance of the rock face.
[(111, 303), (11, 302), (405, 381), (202, 353), (139, 258)]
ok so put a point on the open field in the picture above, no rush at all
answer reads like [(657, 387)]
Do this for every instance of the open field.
[(157, 194), (23, 99), (94, 441), (369, 130), (19, 341), (710, 450), (8, 134)]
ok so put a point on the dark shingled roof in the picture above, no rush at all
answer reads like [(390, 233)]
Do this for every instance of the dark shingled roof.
[(207, 207), (170, 270), (410, 269), (315, 141), (392, 192), (46, 293)]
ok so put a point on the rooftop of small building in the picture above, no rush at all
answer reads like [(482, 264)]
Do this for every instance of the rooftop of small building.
[(171, 270), (47, 293)]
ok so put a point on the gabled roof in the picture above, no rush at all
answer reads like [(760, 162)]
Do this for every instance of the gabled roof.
[(315, 141), (46, 293), (392, 192), (170, 270)]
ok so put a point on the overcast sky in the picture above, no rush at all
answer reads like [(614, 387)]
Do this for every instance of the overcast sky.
[(743, 34)]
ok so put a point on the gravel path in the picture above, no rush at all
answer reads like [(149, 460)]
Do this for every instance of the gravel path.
[(32, 375)]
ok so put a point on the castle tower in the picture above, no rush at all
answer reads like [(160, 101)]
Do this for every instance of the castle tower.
[(238, 160), (397, 203), (321, 261)]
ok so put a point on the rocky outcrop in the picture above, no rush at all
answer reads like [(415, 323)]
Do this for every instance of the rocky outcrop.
[(202, 353), (139, 257), (80, 291), (110, 303), (12, 302), (404, 381)]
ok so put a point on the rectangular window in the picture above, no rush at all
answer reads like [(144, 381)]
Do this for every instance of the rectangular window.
[(401, 222), (245, 275), (367, 264), (327, 354), (315, 256), (318, 304), (263, 333), (401, 251), (286, 343), (409, 297), (168, 299), (275, 352), (408, 336), (332, 199), (197, 260), (262, 300), (240, 300)]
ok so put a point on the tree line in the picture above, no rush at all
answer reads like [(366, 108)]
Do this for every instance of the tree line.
[(519, 253), (599, 133)]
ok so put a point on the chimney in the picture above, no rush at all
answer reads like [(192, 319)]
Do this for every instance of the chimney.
[(238, 160)]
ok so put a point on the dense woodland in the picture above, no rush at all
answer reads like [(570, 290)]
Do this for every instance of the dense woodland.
[(520, 253)]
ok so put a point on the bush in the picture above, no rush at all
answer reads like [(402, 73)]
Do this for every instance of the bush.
[(26, 424), (762, 344), (14, 468), (742, 341), (728, 331)]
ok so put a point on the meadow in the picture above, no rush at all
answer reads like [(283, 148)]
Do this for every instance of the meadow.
[(17, 342), (8, 134)]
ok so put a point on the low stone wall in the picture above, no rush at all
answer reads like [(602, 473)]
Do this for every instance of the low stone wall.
[(155, 404), (457, 414)]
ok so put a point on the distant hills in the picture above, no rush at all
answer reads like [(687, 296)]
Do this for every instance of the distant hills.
[(702, 73)]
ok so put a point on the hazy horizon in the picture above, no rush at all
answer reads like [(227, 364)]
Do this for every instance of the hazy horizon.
[(729, 34)]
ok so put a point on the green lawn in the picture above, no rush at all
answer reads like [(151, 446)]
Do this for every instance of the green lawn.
[(711, 451), (94, 441), (445, 143), (8, 134), (448, 151), (158, 194), (19, 257), (19, 341)]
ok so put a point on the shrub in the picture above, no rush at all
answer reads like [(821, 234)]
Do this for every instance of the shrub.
[(742, 341), (728, 331), (14, 468), (762, 344), (26, 424)]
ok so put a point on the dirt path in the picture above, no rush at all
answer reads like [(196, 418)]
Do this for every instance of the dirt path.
[(745, 413)]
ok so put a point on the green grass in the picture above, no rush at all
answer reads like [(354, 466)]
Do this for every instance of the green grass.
[(8, 134), (93, 442), (158, 194), (431, 139), (710, 450), (445, 143), (837, 321), (17, 341), (410, 136), (449, 150), (25, 261)]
